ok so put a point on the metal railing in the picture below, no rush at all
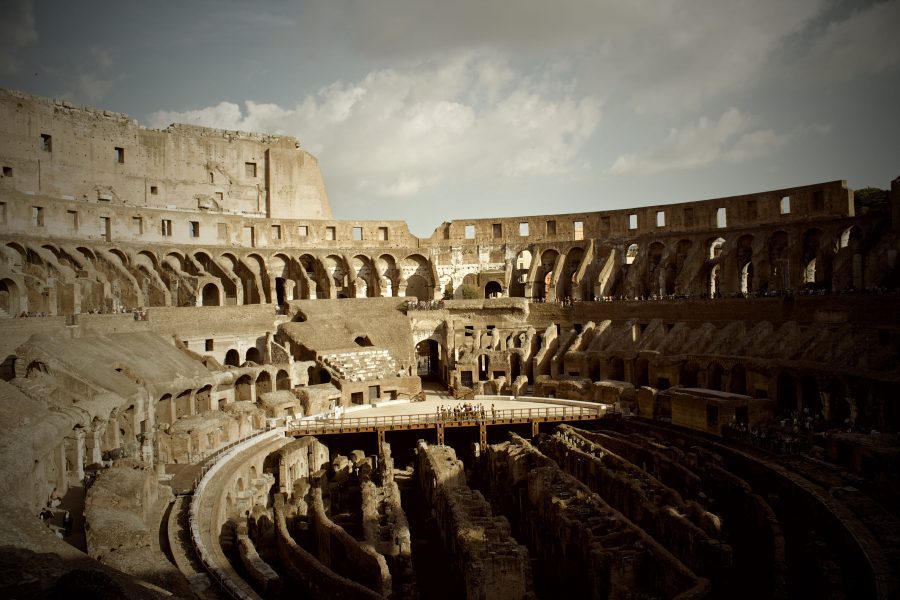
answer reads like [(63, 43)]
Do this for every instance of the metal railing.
[(212, 458), (486, 416)]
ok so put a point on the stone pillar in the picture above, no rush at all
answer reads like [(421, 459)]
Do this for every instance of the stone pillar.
[(94, 442), (75, 454)]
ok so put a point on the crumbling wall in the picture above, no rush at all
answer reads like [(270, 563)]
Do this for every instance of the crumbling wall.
[(341, 552), (490, 562), (583, 548), (317, 580)]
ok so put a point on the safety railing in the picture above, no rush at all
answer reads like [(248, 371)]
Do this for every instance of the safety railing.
[(452, 417)]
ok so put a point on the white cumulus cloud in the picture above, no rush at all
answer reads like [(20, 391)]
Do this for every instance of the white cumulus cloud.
[(704, 142), (396, 132)]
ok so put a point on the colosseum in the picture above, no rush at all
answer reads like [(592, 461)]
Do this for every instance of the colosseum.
[(213, 389)]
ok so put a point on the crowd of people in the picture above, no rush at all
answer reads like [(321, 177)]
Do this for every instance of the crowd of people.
[(464, 411)]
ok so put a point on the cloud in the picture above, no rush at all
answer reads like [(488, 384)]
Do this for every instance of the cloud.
[(865, 43), (397, 132), (17, 31), (703, 143), (658, 57)]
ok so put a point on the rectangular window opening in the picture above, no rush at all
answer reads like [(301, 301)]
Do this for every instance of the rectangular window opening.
[(523, 229), (37, 216), (120, 155), (166, 227), (330, 234), (660, 218), (689, 217), (73, 219), (2, 212), (46, 142), (276, 232), (497, 231), (605, 223), (382, 234), (220, 198), (357, 234), (194, 227), (210, 345), (250, 169), (303, 230), (250, 235), (632, 222), (721, 218), (137, 224), (579, 230), (7, 171), (551, 228), (752, 211), (785, 206), (470, 232), (154, 190), (222, 232), (106, 228), (819, 200)]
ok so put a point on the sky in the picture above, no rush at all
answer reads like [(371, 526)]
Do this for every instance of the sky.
[(428, 111)]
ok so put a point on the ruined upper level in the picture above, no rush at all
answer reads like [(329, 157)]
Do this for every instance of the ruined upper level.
[(53, 148)]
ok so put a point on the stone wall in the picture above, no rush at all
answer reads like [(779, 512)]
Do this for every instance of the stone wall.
[(490, 562)]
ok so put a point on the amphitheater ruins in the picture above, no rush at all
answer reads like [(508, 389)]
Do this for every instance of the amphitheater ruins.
[(212, 389)]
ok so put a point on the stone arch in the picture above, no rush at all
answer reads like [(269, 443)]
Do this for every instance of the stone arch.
[(261, 280), (263, 382), (253, 355), (493, 289), (10, 299), (243, 388), (210, 296), (336, 273), (184, 404), (656, 272), (631, 253), (641, 372), (544, 274), (365, 276), (615, 368), (570, 272), (715, 248), (388, 275), (519, 278), (309, 279), (417, 272), (164, 410), (233, 358), (282, 380), (779, 270), (203, 400)]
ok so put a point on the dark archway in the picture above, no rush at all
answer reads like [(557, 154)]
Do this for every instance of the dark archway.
[(688, 375), (282, 380), (714, 377), (233, 358), (616, 369), (493, 290), (428, 358), (242, 388), (253, 355), (279, 291), (263, 383), (641, 372), (210, 296)]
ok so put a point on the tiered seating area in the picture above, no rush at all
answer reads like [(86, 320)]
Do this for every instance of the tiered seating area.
[(361, 365)]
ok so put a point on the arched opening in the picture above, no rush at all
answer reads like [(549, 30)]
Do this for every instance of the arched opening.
[(243, 388), (203, 399), (279, 291), (263, 383), (631, 253), (482, 367), (210, 295), (687, 376), (253, 355), (428, 360), (616, 369), (787, 393), (493, 290), (363, 340), (515, 366), (520, 274), (317, 375), (641, 372), (714, 377), (282, 380), (9, 298), (164, 410), (417, 287), (715, 248), (809, 273), (232, 358), (779, 262), (184, 405), (738, 383)]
